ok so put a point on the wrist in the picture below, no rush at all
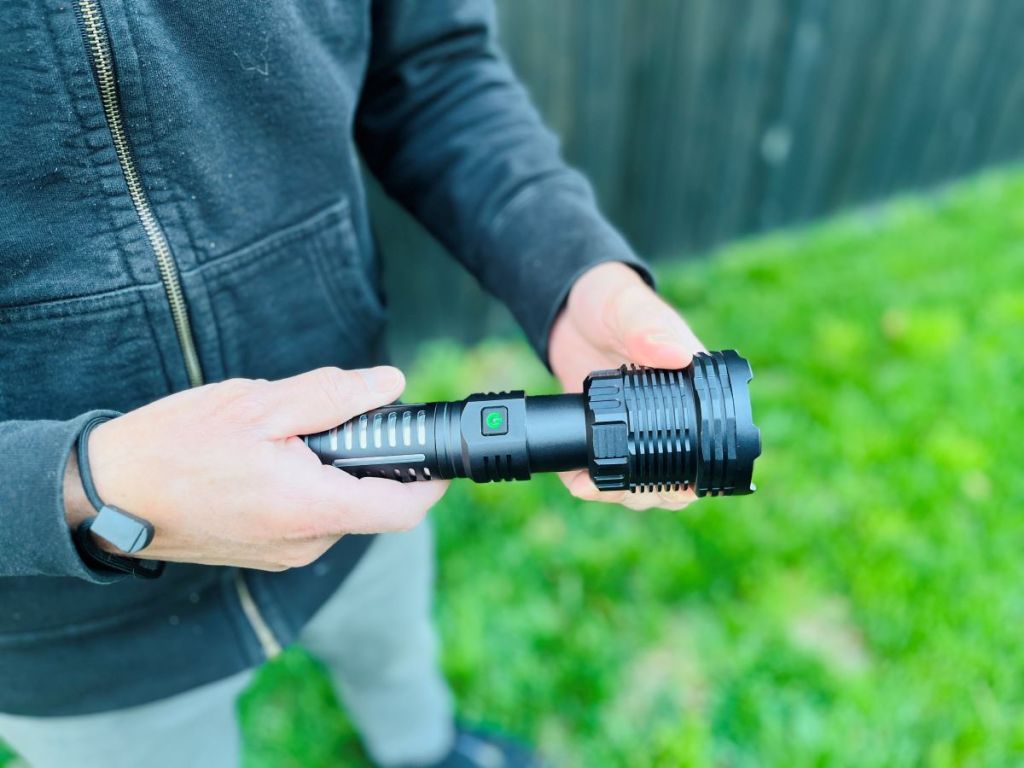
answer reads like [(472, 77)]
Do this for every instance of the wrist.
[(609, 275), (77, 507), (107, 538), (76, 504)]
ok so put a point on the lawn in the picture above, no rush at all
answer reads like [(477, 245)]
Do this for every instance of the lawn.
[(864, 608)]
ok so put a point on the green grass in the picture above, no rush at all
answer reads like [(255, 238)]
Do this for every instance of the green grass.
[(864, 608)]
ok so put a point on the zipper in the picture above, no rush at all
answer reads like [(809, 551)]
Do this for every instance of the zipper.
[(97, 43), (268, 642)]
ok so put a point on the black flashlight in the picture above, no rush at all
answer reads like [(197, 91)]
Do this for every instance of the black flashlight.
[(641, 429)]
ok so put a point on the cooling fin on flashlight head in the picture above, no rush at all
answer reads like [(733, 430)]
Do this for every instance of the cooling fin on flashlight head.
[(658, 430)]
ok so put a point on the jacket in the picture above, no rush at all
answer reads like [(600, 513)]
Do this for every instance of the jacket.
[(181, 201)]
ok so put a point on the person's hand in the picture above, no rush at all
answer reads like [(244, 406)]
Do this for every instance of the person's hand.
[(221, 474), (613, 317)]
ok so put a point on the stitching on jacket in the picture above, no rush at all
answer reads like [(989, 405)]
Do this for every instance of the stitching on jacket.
[(362, 300), (151, 325), (156, 157), (92, 304), (252, 254), (114, 231), (273, 242)]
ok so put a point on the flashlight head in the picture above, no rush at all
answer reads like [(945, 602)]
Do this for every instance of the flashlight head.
[(655, 430)]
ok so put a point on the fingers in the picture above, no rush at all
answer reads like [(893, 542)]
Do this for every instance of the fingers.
[(324, 398), (573, 356), (582, 487), (614, 309), (347, 504), (649, 330)]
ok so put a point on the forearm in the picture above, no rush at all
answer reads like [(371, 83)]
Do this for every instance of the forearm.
[(452, 135)]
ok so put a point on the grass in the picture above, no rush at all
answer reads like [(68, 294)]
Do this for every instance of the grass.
[(864, 608)]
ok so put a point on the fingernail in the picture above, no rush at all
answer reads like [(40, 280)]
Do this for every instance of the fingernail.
[(383, 378)]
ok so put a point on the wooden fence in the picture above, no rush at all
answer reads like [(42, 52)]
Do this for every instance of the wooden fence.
[(702, 120)]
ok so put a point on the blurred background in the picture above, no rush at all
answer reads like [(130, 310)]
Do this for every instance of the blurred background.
[(699, 121), (830, 188)]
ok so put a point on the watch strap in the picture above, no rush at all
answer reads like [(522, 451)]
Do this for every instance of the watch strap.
[(121, 529), (100, 559), (85, 473)]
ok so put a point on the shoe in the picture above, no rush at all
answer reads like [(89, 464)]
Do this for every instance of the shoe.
[(479, 748)]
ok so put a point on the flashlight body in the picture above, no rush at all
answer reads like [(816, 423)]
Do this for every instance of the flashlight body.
[(636, 429), (486, 437)]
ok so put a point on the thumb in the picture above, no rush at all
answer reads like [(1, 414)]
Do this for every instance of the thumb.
[(324, 398), (650, 331)]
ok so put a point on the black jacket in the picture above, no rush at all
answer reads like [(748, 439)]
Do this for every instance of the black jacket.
[(213, 148)]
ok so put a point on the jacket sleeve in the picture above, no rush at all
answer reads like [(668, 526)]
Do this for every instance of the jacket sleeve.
[(34, 536), (451, 134)]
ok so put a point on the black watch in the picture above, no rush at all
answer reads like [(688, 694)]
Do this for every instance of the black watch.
[(123, 530)]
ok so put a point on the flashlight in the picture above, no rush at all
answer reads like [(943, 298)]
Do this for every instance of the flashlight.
[(637, 429)]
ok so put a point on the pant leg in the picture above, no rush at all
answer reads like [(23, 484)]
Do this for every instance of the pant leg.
[(195, 728), (377, 639)]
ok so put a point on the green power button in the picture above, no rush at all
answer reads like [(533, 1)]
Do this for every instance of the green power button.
[(495, 421)]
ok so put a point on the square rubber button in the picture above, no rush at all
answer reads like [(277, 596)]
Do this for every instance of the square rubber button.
[(494, 421)]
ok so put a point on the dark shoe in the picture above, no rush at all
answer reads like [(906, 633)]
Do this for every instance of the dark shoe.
[(478, 748)]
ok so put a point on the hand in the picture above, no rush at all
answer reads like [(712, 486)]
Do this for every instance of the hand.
[(221, 474), (613, 317)]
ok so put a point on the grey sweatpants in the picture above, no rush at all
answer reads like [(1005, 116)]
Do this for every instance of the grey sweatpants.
[(377, 640)]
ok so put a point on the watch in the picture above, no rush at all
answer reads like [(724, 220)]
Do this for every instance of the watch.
[(123, 530)]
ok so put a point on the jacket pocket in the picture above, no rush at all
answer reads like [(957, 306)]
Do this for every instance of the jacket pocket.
[(62, 358), (302, 298)]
